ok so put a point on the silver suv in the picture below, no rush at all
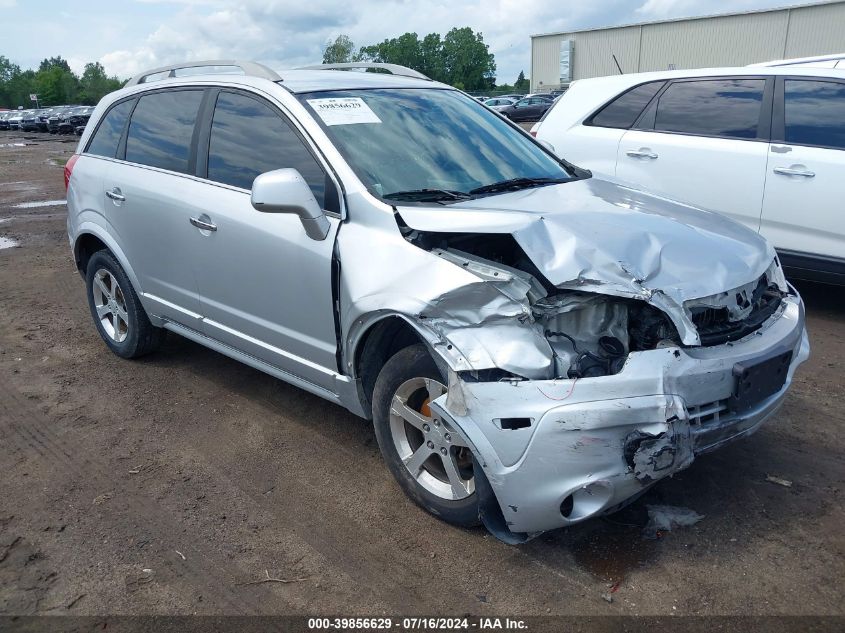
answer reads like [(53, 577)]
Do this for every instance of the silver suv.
[(534, 346)]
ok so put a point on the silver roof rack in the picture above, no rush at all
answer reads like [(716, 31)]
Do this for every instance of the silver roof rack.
[(393, 69), (252, 69)]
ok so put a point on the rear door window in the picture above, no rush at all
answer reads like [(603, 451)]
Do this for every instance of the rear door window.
[(814, 113), (623, 111), (249, 138), (727, 108), (107, 137), (161, 129)]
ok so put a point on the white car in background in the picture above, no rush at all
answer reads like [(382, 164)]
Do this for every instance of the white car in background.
[(820, 61), (763, 145)]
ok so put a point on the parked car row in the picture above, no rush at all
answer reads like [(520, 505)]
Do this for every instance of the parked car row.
[(517, 108), (763, 145), (68, 119)]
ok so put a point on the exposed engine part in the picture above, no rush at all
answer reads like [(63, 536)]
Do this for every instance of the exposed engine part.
[(587, 332), (650, 328)]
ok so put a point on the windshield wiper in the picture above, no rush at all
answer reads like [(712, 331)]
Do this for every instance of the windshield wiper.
[(426, 195), (514, 184)]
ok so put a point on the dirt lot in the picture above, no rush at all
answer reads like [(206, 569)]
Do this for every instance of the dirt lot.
[(166, 484)]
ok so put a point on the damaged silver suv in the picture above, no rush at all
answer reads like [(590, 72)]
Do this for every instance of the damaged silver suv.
[(534, 346)]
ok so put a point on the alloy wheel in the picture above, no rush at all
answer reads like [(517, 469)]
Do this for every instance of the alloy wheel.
[(435, 456), (110, 304)]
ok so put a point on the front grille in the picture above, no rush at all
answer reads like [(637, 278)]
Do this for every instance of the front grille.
[(715, 327), (709, 413)]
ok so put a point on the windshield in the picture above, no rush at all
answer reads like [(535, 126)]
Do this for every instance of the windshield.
[(412, 141)]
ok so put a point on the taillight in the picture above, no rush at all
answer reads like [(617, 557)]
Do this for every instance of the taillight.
[(69, 168)]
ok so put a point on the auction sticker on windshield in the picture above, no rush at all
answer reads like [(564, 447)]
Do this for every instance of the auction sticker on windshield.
[(343, 111)]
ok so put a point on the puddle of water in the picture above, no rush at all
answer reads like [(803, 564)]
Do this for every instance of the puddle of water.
[(8, 242), (41, 203)]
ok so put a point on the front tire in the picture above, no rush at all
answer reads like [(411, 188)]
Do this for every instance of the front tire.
[(116, 309), (431, 462)]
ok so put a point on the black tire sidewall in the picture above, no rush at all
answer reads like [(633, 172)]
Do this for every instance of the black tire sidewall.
[(414, 362), (127, 348)]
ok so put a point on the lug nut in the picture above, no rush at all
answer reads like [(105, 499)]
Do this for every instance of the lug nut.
[(426, 428), (430, 444), (448, 437), (443, 451)]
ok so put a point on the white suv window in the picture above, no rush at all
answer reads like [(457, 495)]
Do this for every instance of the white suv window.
[(814, 113), (623, 111), (713, 107)]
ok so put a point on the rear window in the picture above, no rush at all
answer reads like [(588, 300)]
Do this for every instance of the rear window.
[(107, 136), (623, 111), (161, 129), (814, 113), (714, 107)]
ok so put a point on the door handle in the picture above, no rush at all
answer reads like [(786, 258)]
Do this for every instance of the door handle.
[(115, 194), (794, 171), (202, 224), (643, 152)]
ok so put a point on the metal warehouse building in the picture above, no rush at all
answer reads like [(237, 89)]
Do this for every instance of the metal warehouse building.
[(735, 39)]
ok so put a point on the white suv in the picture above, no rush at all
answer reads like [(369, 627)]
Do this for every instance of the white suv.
[(763, 145)]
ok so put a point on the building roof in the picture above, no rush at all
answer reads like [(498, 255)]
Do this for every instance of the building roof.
[(690, 18)]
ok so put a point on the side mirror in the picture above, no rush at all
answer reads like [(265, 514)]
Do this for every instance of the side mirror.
[(285, 191)]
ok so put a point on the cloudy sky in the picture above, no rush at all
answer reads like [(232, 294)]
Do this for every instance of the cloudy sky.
[(130, 35)]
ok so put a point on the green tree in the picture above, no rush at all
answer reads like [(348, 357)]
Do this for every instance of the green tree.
[(432, 63), (461, 58), (469, 63), (94, 84), (404, 50), (55, 86), (340, 51), (522, 84), (9, 73), (54, 62)]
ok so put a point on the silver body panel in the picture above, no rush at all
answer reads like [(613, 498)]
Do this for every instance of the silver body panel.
[(260, 290)]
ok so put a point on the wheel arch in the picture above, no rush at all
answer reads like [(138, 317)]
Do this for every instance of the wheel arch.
[(374, 342), (91, 238)]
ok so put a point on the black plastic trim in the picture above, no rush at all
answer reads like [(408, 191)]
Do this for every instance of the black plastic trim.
[(810, 267)]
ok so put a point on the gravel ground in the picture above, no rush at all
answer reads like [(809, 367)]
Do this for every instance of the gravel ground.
[(168, 484)]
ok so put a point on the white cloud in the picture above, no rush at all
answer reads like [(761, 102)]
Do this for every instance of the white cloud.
[(127, 37), (666, 8), (288, 33)]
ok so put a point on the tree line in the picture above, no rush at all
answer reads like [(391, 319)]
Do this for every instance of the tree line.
[(54, 83), (460, 58)]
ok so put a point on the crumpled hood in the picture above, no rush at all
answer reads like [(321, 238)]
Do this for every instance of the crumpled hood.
[(600, 236)]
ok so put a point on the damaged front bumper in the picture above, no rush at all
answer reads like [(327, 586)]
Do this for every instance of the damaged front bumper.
[(556, 452)]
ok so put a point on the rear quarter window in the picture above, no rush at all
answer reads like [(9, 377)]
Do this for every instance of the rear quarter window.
[(107, 137), (623, 111)]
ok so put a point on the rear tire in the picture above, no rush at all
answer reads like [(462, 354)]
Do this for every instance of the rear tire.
[(429, 460), (116, 309)]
